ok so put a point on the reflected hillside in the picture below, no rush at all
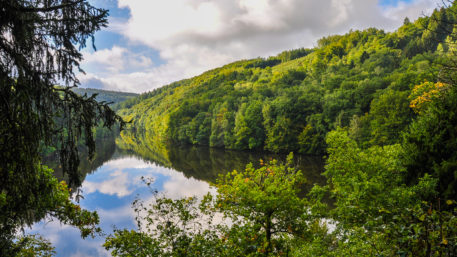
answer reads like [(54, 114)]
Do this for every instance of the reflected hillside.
[(204, 163), (105, 149)]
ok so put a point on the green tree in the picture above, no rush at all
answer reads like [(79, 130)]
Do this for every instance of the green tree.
[(39, 43), (375, 212), (170, 227), (389, 115), (266, 202), (431, 141), (248, 131), (262, 216)]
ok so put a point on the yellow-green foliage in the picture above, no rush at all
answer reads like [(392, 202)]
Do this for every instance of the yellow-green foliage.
[(305, 89)]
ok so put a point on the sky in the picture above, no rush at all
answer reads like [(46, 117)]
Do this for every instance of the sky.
[(151, 43)]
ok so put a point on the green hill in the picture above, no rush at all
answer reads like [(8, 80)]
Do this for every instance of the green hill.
[(361, 80), (113, 97)]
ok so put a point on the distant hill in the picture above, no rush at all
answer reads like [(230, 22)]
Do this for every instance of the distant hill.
[(362, 80), (113, 97)]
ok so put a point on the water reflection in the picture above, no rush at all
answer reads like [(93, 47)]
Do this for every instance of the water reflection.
[(204, 163), (105, 149), (113, 180)]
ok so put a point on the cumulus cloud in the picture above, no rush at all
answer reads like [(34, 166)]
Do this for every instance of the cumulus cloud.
[(412, 10), (131, 82), (176, 185), (67, 239), (115, 60), (91, 81), (117, 185), (192, 36), (179, 186), (123, 176), (115, 216), (127, 163), (238, 25)]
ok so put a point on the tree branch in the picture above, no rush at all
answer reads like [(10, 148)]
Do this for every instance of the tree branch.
[(47, 9)]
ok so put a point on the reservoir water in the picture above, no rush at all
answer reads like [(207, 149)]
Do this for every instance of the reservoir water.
[(113, 180)]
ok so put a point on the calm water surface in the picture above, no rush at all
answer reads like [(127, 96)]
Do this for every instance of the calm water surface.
[(113, 180)]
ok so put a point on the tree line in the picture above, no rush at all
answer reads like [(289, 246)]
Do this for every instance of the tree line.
[(362, 80)]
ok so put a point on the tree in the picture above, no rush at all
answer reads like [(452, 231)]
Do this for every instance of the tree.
[(406, 21), (431, 139), (263, 215), (390, 115), (169, 227), (375, 212), (39, 48), (264, 203), (248, 131)]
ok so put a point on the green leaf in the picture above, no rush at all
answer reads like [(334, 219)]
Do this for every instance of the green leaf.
[(422, 218)]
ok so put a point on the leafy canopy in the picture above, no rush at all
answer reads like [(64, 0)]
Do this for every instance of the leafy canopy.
[(39, 48), (261, 213)]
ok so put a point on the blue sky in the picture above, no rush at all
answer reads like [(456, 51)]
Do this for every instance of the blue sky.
[(393, 2), (150, 43)]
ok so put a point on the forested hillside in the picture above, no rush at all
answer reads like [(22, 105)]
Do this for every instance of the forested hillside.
[(362, 80), (383, 107), (112, 97), (101, 132)]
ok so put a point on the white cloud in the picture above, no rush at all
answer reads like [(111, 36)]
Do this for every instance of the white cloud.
[(59, 234), (115, 60), (117, 185), (120, 183), (176, 185), (50, 229), (179, 186), (192, 36), (113, 216), (130, 82), (127, 163), (413, 10), (111, 59)]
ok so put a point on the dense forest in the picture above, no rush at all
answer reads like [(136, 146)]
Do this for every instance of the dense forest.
[(362, 80), (381, 106)]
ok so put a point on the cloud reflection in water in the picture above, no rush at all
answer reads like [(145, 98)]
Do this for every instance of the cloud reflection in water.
[(110, 191)]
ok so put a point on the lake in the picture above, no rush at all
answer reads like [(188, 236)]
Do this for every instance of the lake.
[(112, 181)]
